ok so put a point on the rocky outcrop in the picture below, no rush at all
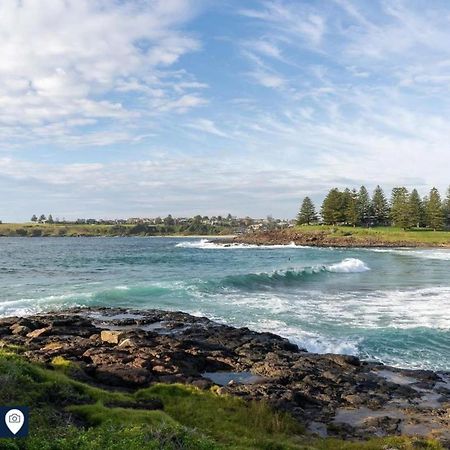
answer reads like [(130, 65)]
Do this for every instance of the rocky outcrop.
[(332, 394), (318, 238)]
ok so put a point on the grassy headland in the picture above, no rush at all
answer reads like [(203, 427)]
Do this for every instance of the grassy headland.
[(69, 414), (346, 236), (75, 230)]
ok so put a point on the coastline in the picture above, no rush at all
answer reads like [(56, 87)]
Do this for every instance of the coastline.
[(332, 395), (311, 236), (344, 238)]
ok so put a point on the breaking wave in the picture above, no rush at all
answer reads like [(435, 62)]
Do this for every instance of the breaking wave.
[(211, 245), (289, 276)]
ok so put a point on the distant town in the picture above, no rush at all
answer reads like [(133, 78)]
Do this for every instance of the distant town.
[(42, 225)]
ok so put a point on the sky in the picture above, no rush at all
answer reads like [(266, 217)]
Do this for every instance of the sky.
[(127, 108)]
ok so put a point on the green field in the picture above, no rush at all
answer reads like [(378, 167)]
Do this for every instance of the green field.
[(69, 414), (380, 234)]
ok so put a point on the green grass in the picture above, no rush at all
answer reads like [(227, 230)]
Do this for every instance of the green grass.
[(68, 414), (97, 230), (381, 234)]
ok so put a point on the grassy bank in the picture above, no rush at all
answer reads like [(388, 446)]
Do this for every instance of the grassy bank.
[(384, 234), (68, 414), (74, 230)]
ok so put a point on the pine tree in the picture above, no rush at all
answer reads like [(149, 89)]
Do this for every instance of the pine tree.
[(34, 218), (400, 207), (416, 212), (42, 218), (446, 207), (332, 211), (307, 213), (380, 207), (351, 207), (50, 219), (364, 212), (435, 213)]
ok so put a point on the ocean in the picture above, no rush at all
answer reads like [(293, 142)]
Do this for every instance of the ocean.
[(388, 305)]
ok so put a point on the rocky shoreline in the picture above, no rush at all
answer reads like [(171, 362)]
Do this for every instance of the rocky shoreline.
[(317, 238), (333, 395)]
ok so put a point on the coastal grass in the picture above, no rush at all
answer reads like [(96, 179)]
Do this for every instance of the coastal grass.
[(101, 230), (381, 234), (70, 414)]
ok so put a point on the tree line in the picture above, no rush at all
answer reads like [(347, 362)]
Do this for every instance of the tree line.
[(358, 208)]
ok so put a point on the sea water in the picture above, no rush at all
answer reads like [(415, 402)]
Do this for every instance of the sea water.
[(389, 305)]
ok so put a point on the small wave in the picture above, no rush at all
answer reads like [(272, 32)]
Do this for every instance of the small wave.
[(211, 245), (289, 276)]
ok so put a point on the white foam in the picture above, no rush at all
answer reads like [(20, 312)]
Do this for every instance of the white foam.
[(349, 265), (312, 342), (440, 254), (211, 245)]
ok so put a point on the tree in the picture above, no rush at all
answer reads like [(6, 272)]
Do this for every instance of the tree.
[(307, 213), (435, 213), (364, 212), (34, 218), (42, 218), (50, 219), (332, 207), (416, 210), (446, 207), (400, 207), (379, 207), (169, 220), (350, 202)]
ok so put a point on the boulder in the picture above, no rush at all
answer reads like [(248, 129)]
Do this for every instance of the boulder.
[(111, 336)]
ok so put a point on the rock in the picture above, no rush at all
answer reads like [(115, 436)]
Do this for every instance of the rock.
[(40, 332), (53, 346), (122, 375), (111, 337), (21, 330), (128, 342)]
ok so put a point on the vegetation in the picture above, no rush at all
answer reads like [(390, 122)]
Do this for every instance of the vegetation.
[(68, 414), (380, 235), (405, 209), (307, 213), (74, 230)]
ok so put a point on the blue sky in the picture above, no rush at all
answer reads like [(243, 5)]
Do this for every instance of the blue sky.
[(144, 108)]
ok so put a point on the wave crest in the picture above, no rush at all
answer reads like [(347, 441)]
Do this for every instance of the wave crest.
[(290, 276), (349, 265), (211, 245)]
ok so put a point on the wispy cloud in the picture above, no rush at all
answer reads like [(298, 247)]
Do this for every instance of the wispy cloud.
[(206, 126)]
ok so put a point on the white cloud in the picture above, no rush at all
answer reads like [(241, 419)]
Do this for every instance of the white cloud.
[(267, 79), (206, 126), (66, 60)]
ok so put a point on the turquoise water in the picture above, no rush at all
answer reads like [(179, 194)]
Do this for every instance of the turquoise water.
[(384, 304)]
